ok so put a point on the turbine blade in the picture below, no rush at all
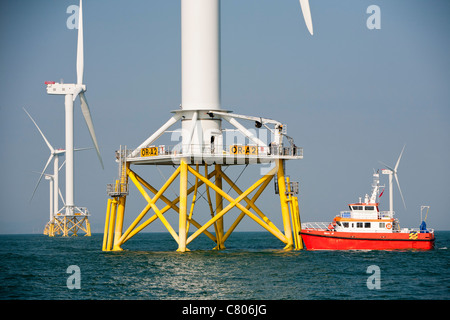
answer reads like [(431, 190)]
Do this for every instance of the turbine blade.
[(61, 196), (42, 173), (398, 161), (81, 149), (384, 164), (45, 139), (45, 174), (80, 51), (87, 117), (62, 165), (307, 15), (399, 189)]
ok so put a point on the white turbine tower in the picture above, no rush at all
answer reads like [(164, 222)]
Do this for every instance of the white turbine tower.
[(393, 172), (52, 210), (200, 79), (71, 91)]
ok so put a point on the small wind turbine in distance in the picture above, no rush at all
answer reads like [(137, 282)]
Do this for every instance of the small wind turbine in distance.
[(54, 178), (71, 92), (393, 172), (54, 154)]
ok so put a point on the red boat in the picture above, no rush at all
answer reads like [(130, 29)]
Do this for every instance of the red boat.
[(364, 227)]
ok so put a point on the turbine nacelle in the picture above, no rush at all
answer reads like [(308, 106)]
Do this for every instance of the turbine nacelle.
[(64, 88)]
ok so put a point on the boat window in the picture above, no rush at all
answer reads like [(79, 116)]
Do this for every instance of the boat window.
[(369, 208), (359, 224), (345, 224), (382, 225), (357, 207), (367, 225)]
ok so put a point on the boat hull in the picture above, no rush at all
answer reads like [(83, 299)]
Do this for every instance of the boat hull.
[(332, 240)]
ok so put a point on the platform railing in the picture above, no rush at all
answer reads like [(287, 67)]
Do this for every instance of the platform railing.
[(381, 214), (315, 225), (414, 230), (208, 149), (117, 189)]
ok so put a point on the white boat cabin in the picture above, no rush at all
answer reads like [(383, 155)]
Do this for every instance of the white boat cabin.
[(364, 217)]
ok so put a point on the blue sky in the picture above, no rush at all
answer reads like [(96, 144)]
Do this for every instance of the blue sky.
[(349, 95)]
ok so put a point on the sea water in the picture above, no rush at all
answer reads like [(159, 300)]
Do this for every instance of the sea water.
[(252, 267)]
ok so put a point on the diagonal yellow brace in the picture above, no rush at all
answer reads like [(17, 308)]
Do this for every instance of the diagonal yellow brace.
[(251, 203), (151, 201), (171, 204), (219, 207), (76, 224), (279, 235), (194, 199), (233, 202), (211, 210), (165, 222), (136, 230)]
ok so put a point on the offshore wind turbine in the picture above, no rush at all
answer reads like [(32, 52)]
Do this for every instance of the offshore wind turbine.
[(54, 155), (201, 116), (54, 178), (71, 92), (392, 172)]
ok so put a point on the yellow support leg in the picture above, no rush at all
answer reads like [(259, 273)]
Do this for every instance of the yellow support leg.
[(112, 222), (294, 215), (88, 228), (119, 223), (105, 231), (65, 231), (284, 205), (51, 232), (183, 207), (298, 223)]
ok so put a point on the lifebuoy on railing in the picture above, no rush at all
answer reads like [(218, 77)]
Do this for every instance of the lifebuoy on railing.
[(388, 226)]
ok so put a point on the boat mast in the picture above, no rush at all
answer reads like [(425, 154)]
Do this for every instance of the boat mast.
[(375, 188)]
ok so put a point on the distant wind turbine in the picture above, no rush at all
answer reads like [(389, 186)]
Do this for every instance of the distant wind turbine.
[(393, 172)]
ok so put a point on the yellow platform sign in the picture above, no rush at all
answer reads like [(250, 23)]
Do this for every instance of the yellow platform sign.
[(149, 152), (247, 150)]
